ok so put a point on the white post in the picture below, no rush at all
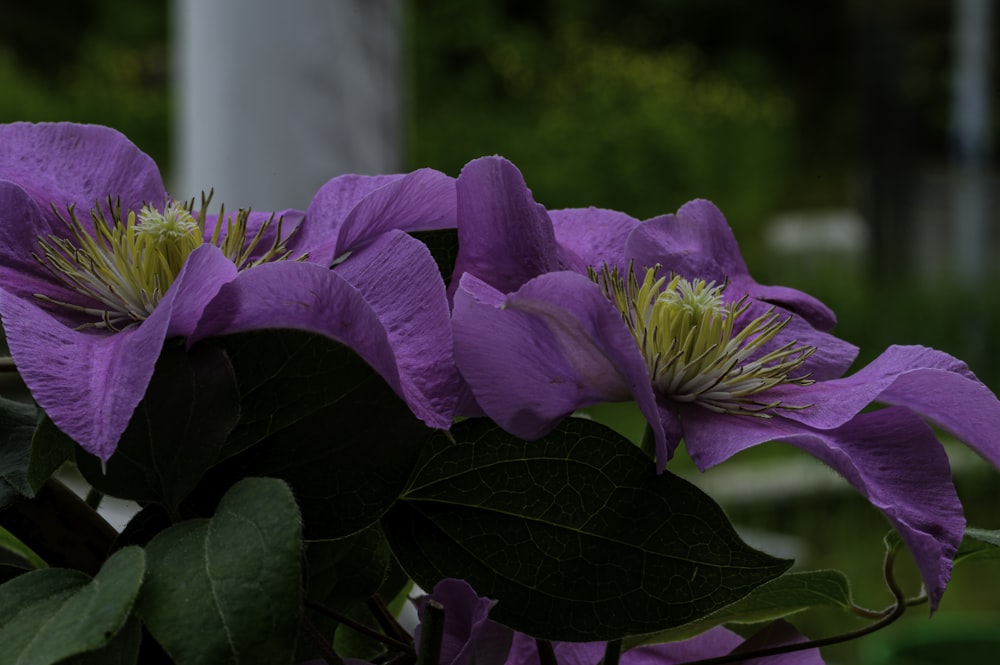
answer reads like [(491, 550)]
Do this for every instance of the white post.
[(970, 126), (275, 97)]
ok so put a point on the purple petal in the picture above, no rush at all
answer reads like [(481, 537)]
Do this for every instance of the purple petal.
[(505, 238), (65, 163), (891, 456), (306, 296), (556, 345), (832, 357), (930, 382), (399, 279), (698, 243), (593, 237), (348, 211), (469, 636), (21, 222), (89, 383)]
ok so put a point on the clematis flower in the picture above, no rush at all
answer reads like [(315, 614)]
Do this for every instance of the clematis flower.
[(99, 266), (470, 636), (665, 313)]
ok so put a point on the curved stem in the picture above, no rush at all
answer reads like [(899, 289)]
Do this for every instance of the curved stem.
[(894, 612)]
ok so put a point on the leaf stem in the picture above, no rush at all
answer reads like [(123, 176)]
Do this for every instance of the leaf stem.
[(385, 619), (391, 642), (612, 652), (326, 651), (7, 364), (893, 613), (546, 654), (431, 633)]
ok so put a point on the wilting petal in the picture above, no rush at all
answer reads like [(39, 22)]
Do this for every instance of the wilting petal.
[(397, 276), (505, 238), (556, 345), (698, 243), (891, 456), (592, 237), (70, 164)]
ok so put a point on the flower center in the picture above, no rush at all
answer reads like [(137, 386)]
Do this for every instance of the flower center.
[(693, 348), (127, 263)]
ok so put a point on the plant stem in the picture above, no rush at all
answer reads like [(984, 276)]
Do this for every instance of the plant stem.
[(327, 652), (431, 633), (896, 611), (612, 652), (385, 619), (546, 654), (391, 642)]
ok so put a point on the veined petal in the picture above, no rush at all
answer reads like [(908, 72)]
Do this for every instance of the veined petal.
[(504, 237), (891, 456), (305, 296), (534, 356), (593, 237), (66, 163), (22, 220), (397, 276), (932, 383), (350, 210), (698, 243)]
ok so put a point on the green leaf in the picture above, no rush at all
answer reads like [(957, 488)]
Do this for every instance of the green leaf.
[(784, 596), (13, 544), (17, 423), (50, 447), (228, 589), (978, 544), (574, 534), (175, 434), (316, 415), (342, 573), (123, 649), (52, 614)]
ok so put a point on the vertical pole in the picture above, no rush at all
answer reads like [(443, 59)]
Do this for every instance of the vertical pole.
[(970, 127), (275, 97)]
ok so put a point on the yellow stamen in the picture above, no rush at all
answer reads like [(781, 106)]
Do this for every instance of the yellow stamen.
[(693, 350), (127, 263)]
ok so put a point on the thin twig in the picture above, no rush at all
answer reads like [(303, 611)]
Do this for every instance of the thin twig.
[(431, 633), (896, 611), (612, 652), (546, 654), (367, 631), (326, 650), (385, 618)]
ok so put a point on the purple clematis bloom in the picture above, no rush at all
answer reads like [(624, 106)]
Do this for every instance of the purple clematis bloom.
[(470, 636), (86, 313), (670, 317)]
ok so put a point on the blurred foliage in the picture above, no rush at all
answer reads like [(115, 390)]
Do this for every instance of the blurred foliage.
[(97, 61)]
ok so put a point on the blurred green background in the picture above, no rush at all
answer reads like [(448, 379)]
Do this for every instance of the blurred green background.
[(776, 110)]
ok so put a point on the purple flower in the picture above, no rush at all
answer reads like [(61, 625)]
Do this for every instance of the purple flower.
[(99, 266), (670, 317), (470, 636)]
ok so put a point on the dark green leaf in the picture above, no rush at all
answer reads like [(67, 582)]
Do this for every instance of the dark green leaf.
[(52, 614), (176, 432), (978, 544), (784, 596), (17, 424), (443, 244), (228, 589), (319, 417), (575, 534), (123, 649), (342, 573), (50, 447)]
